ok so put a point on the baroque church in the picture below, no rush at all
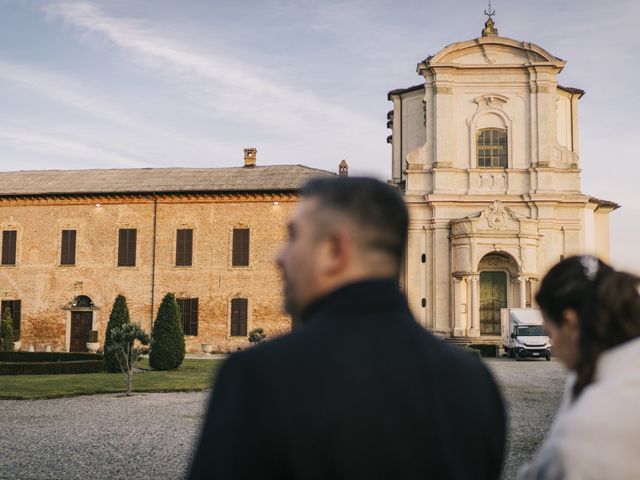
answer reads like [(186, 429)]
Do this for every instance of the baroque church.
[(485, 150)]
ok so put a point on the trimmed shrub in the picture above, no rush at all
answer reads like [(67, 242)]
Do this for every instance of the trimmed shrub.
[(51, 368), (6, 332), (119, 316), (472, 351), (48, 363), (485, 350), (167, 339), (47, 356)]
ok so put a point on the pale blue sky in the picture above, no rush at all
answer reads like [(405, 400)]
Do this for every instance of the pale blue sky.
[(128, 83)]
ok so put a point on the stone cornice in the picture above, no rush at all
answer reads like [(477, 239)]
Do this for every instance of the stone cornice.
[(146, 198), (537, 56)]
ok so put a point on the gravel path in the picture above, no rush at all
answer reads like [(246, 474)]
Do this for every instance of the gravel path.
[(533, 390), (99, 436), (109, 436)]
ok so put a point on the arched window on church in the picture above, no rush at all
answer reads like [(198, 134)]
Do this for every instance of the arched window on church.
[(491, 148)]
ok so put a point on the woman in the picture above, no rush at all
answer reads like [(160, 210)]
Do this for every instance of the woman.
[(592, 313)]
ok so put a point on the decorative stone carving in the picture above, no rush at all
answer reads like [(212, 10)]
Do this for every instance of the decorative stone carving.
[(496, 218), (491, 100), (492, 181)]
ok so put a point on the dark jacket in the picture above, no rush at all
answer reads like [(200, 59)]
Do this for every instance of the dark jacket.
[(361, 391)]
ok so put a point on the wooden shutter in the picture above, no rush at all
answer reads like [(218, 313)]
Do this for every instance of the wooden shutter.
[(189, 314), (240, 256), (184, 247), (193, 317), (122, 246), (14, 309), (68, 250), (9, 238), (239, 317), (127, 247)]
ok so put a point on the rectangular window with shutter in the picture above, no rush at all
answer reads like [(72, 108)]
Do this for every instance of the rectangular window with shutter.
[(9, 240), (184, 247), (239, 317), (189, 312), (14, 309), (68, 248), (240, 254), (127, 247)]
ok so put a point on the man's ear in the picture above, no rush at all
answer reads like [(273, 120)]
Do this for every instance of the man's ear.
[(339, 250)]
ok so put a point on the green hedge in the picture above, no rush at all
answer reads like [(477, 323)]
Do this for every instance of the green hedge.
[(47, 356), (50, 368), (49, 363), (485, 350), (472, 351)]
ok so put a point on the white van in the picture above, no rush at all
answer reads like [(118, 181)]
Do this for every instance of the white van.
[(523, 334)]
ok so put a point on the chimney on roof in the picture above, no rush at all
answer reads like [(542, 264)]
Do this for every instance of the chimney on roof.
[(343, 169), (250, 157)]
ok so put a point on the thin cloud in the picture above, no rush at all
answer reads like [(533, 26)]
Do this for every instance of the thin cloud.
[(21, 139), (72, 93), (230, 85), (61, 89)]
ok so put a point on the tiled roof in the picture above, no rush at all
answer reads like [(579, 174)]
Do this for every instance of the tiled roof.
[(572, 90), (399, 91), (604, 203), (158, 180)]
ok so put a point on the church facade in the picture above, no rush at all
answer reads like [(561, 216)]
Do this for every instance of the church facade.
[(486, 153)]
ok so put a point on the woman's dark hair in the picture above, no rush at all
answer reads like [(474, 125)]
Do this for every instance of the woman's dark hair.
[(607, 303)]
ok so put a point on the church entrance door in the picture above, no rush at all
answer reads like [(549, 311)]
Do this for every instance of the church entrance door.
[(81, 323), (493, 297)]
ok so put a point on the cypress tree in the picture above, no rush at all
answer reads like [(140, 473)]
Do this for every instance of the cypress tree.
[(6, 332), (119, 316), (167, 338)]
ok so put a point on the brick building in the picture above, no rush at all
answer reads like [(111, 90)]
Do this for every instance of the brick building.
[(73, 240)]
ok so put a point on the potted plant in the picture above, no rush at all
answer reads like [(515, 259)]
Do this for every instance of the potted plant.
[(207, 348), (257, 335), (92, 344)]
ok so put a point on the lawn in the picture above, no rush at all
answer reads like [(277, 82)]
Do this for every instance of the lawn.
[(192, 375)]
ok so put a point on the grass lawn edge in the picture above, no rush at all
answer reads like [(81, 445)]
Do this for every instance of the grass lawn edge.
[(191, 376)]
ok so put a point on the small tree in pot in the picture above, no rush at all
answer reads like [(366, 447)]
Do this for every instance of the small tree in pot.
[(127, 345), (92, 342)]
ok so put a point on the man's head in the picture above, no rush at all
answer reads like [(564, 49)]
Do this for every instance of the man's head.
[(344, 230)]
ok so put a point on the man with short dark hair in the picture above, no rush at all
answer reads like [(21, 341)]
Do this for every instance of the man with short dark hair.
[(360, 390)]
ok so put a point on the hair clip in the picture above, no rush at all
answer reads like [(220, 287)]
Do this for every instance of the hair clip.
[(590, 265)]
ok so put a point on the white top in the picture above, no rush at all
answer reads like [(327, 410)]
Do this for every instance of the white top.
[(598, 436)]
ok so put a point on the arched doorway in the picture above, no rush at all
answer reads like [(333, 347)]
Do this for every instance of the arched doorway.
[(493, 297), (496, 273), (81, 323)]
